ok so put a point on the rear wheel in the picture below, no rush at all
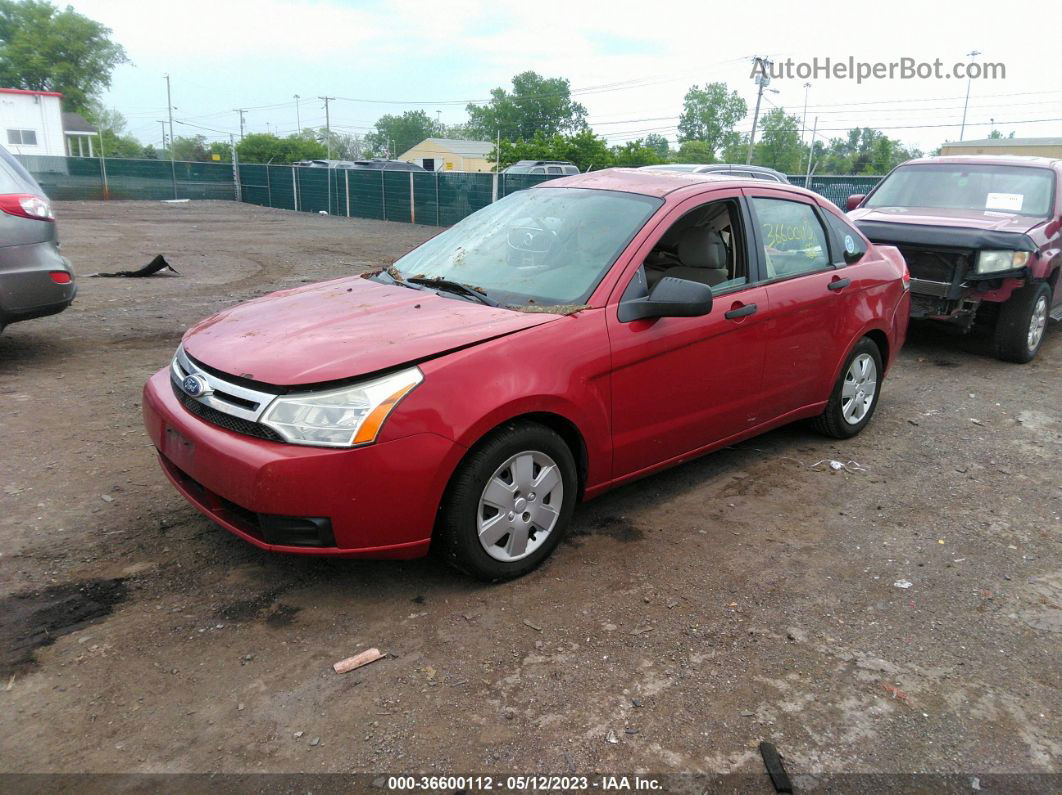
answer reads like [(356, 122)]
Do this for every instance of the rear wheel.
[(509, 503), (855, 396), (1022, 322)]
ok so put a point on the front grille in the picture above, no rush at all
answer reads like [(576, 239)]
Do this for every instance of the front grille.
[(937, 265), (223, 420)]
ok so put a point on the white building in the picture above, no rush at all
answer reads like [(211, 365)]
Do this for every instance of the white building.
[(32, 123)]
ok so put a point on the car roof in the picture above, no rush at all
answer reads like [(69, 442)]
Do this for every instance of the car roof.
[(989, 160), (660, 183)]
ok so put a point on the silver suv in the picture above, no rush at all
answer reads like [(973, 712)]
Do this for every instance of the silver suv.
[(35, 279)]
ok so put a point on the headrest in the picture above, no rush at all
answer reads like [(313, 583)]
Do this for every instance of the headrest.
[(701, 247)]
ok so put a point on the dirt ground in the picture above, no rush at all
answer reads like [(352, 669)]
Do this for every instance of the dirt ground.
[(743, 597)]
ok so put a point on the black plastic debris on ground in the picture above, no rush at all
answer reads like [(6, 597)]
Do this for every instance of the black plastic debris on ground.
[(772, 760), (153, 267)]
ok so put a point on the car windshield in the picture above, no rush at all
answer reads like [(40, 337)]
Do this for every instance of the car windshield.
[(1020, 190), (540, 246), (518, 170)]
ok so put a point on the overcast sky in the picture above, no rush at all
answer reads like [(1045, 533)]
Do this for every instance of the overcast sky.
[(629, 63)]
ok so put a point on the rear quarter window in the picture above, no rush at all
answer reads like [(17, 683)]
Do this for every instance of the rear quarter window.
[(845, 237)]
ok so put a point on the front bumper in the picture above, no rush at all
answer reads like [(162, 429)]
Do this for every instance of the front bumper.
[(380, 500)]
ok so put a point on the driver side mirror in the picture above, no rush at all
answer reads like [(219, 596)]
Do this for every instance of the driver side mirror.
[(671, 297), (854, 200)]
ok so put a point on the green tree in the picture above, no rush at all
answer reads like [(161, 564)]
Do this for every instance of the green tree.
[(112, 130), (191, 149), (150, 152), (268, 148), (996, 135), (45, 49), (694, 152), (863, 151), (535, 105), (397, 134), (222, 149), (659, 144), (585, 149), (709, 114), (779, 142), (634, 154)]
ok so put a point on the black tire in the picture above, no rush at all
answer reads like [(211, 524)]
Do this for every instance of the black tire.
[(1015, 318), (457, 534), (832, 421)]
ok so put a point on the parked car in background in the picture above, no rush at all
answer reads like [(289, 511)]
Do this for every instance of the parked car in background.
[(559, 342), (35, 279), (379, 164), (724, 169), (982, 236), (542, 167)]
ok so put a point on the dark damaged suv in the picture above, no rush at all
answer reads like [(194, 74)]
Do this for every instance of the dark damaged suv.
[(982, 237)]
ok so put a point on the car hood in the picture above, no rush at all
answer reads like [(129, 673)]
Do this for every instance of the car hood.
[(343, 329), (968, 219)]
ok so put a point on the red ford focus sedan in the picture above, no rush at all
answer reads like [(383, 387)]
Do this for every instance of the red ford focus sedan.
[(562, 341)]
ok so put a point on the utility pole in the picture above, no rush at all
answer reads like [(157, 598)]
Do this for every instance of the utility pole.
[(241, 111), (328, 125), (762, 79), (298, 123), (169, 107), (162, 124), (804, 123), (962, 129), (811, 154)]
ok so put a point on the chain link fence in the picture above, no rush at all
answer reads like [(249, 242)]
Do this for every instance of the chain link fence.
[(434, 198)]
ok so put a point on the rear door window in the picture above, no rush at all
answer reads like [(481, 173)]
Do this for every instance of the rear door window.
[(792, 237)]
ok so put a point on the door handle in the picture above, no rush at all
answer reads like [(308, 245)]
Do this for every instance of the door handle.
[(741, 311), (839, 284)]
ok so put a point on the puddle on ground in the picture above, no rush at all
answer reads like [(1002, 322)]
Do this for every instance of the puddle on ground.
[(32, 619)]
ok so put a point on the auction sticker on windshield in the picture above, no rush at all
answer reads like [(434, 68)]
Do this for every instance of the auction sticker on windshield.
[(1004, 201)]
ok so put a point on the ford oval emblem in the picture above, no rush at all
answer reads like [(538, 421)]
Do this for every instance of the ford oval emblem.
[(195, 385)]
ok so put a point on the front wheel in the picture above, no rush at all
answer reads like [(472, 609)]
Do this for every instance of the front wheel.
[(855, 396), (509, 502), (1022, 322)]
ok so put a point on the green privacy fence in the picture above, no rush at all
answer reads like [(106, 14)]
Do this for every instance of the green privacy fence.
[(436, 198), (838, 189), (93, 178)]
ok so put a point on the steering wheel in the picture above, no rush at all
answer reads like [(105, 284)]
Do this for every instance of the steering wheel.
[(530, 244)]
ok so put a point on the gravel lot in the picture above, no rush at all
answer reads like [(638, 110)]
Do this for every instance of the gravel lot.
[(743, 597)]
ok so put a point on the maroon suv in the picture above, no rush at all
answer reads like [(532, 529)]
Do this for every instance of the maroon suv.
[(982, 237)]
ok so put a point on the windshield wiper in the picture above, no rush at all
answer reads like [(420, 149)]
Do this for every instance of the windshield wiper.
[(397, 280), (454, 287)]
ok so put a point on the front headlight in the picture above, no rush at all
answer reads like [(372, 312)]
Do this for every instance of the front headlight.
[(995, 261), (340, 417)]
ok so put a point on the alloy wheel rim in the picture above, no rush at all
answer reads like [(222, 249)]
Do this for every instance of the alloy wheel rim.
[(859, 388), (520, 506), (1037, 323)]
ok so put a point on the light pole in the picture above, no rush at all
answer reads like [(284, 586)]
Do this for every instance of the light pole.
[(169, 107), (962, 129), (298, 124)]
